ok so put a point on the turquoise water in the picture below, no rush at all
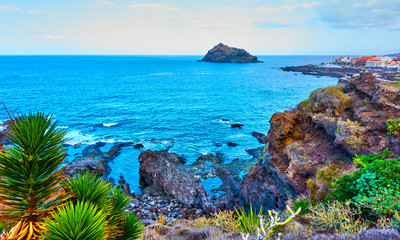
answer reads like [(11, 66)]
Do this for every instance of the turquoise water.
[(162, 102)]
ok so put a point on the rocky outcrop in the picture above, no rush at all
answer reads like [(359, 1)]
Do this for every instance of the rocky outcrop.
[(260, 137), (334, 124), (225, 54), (321, 71), (95, 161), (162, 175)]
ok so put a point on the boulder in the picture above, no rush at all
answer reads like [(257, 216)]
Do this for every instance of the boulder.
[(162, 175), (237, 125), (224, 54), (138, 146), (260, 137), (232, 144)]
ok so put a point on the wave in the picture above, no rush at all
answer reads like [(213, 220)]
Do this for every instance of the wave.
[(63, 127), (109, 124), (76, 137)]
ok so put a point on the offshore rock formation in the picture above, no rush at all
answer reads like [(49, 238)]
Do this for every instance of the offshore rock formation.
[(162, 175), (225, 54), (334, 124)]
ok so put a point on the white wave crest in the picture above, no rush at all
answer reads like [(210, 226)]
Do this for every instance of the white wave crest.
[(109, 124)]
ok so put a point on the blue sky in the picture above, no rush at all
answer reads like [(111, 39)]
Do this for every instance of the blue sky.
[(263, 27)]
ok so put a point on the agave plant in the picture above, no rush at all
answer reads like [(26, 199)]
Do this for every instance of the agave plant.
[(31, 185), (83, 221)]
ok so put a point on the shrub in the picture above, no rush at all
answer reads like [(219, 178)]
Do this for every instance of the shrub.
[(393, 126), (352, 133), (384, 201), (83, 221), (365, 160), (30, 184), (304, 204), (380, 174), (323, 182), (337, 216), (376, 185), (329, 99)]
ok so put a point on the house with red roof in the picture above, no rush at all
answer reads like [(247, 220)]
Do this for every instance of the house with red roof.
[(372, 62), (362, 61)]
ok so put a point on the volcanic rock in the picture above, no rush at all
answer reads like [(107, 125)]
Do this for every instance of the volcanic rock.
[(232, 144), (224, 54), (138, 146), (260, 137), (161, 175), (237, 125), (332, 126)]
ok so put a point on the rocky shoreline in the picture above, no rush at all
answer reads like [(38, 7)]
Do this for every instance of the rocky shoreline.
[(322, 71), (170, 187), (338, 72), (326, 130)]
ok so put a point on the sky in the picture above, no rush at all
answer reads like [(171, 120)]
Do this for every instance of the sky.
[(186, 27)]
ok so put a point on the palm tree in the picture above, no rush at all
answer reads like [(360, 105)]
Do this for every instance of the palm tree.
[(31, 183)]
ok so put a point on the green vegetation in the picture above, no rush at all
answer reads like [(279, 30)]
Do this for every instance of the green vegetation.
[(365, 160), (378, 178), (249, 222), (393, 126), (31, 187), (352, 132), (81, 221), (323, 182), (112, 202), (302, 204), (44, 202), (337, 216), (329, 99)]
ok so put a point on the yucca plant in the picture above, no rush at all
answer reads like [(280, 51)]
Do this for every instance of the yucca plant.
[(90, 189), (113, 202), (249, 222), (31, 185), (83, 221), (116, 212), (133, 227)]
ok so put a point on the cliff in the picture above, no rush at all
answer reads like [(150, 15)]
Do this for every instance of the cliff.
[(326, 130), (224, 54)]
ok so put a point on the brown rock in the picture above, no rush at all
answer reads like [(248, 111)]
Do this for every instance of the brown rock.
[(161, 175)]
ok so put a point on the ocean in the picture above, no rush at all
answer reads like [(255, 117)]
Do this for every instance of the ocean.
[(169, 103)]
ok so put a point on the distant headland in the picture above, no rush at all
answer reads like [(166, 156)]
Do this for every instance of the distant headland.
[(222, 53)]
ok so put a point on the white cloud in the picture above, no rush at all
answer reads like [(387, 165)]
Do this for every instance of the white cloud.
[(361, 14), (9, 8), (53, 36)]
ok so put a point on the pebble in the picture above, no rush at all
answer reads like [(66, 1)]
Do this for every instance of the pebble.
[(149, 209)]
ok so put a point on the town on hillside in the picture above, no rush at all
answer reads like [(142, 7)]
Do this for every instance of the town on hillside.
[(377, 63)]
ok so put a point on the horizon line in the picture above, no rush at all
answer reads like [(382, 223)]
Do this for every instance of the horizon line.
[(11, 55)]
